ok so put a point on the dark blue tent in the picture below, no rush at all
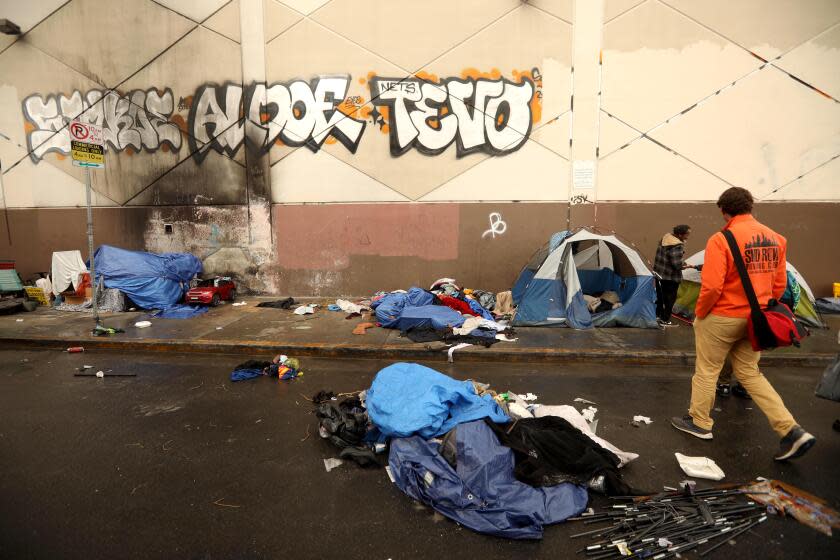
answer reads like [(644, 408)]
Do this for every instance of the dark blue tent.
[(152, 281)]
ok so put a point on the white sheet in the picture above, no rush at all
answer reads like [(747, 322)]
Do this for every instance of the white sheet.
[(66, 267)]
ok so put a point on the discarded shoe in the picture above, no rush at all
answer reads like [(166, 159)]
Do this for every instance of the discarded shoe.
[(723, 389), (739, 391), (795, 444), (686, 424)]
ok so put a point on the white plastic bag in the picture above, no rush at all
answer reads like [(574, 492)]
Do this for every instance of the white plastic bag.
[(699, 467)]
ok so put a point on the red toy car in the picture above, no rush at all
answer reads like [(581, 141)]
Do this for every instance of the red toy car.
[(212, 291)]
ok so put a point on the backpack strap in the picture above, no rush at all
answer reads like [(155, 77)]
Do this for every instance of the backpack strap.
[(742, 272)]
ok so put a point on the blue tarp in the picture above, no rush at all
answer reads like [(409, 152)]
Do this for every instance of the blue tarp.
[(152, 281), (406, 399), (481, 493), (413, 309)]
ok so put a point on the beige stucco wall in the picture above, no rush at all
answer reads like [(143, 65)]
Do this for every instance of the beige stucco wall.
[(674, 101)]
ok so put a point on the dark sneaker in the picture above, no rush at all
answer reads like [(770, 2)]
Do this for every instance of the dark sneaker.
[(739, 391), (686, 424), (795, 444), (723, 389)]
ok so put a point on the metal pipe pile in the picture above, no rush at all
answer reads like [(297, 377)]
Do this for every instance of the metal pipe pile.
[(665, 525)]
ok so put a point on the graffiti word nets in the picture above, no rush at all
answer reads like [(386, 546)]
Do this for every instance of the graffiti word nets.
[(138, 120)]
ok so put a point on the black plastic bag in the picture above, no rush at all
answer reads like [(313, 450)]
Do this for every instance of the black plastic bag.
[(829, 385)]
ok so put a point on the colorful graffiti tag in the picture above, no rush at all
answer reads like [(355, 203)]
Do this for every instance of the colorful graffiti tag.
[(477, 112)]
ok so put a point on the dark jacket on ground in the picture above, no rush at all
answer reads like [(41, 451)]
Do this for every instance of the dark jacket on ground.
[(669, 258)]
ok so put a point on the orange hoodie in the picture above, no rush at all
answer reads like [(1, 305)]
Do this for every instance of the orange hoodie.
[(764, 253)]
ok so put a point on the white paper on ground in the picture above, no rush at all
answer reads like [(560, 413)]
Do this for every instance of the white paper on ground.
[(348, 306), (645, 419), (528, 397), (330, 464), (589, 413), (583, 401), (700, 467), (390, 474), (237, 304), (456, 347), (574, 418), (143, 324), (304, 310)]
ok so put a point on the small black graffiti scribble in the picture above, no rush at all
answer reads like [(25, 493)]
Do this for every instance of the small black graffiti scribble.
[(182, 104), (580, 199)]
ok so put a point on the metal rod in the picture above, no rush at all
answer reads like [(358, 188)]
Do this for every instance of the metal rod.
[(744, 528), (90, 247)]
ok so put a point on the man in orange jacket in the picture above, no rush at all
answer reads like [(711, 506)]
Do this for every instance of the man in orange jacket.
[(720, 327)]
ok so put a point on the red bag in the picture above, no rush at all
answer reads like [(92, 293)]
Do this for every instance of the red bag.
[(773, 326)]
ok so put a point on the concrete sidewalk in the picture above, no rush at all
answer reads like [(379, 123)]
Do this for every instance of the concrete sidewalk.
[(261, 331)]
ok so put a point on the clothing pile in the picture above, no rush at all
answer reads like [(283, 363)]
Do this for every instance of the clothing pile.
[(282, 367), (476, 456), (445, 313)]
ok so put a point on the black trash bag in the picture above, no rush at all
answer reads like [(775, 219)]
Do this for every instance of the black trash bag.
[(343, 423), (829, 385)]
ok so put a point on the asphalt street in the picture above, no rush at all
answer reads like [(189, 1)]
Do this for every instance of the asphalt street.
[(178, 462)]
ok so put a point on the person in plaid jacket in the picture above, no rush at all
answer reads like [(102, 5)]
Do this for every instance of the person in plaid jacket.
[(668, 266)]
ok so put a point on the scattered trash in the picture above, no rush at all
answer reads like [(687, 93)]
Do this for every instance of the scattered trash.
[(219, 328), (790, 500), (390, 474), (666, 525), (278, 304), (100, 330), (19, 320), (456, 347), (305, 310), (302, 328), (281, 367), (333, 307), (143, 324), (83, 368), (100, 374), (362, 327), (330, 464), (589, 413), (583, 401), (75, 349), (701, 467), (528, 397), (718, 409), (348, 307), (239, 303), (643, 419)]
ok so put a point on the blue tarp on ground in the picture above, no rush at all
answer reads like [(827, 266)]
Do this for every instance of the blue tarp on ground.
[(152, 281), (406, 399), (481, 493), (414, 309)]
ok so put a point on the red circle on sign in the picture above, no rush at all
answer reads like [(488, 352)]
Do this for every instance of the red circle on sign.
[(79, 131)]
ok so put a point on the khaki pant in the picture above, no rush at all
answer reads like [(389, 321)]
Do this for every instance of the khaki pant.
[(717, 337)]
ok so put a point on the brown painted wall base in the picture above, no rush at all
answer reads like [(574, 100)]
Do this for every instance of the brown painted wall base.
[(357, 249)]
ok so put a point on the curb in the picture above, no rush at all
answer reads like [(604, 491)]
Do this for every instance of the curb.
[(400, 352)]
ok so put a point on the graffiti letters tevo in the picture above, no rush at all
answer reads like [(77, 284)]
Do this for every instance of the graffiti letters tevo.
[(492, 116)]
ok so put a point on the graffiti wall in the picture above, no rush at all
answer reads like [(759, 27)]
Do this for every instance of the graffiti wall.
[(305, 145)]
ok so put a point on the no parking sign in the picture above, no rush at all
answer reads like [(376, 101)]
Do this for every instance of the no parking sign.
[(86, 145)]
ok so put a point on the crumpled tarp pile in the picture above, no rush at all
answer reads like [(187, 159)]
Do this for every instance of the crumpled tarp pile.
[(446, 313), (448, 449), (152, 281)]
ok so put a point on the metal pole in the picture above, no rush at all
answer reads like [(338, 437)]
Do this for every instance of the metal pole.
[(90, 246)]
